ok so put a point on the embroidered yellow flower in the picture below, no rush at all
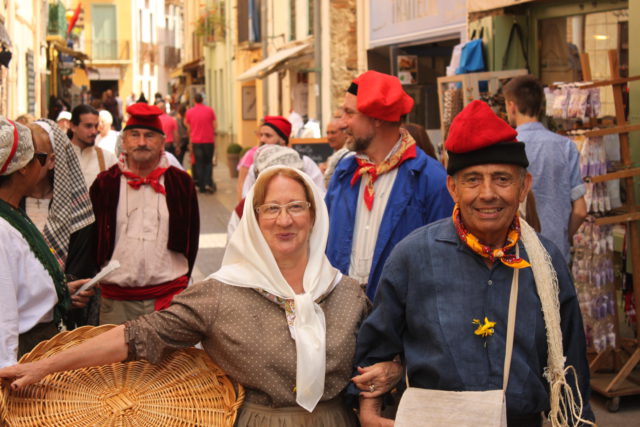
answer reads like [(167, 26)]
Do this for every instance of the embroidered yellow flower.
[(484, 330)]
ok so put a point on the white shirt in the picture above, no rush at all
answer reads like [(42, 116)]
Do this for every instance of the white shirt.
[(310, 168), (108, 142), (142, 233), (89, 164), (27, 292), (367, 222)]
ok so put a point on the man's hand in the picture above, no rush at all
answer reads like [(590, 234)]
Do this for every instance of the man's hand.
[(82, 299), (24, 374), (370, 410), (378, 379)]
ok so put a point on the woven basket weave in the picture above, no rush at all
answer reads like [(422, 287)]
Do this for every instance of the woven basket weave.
[(186, 389)]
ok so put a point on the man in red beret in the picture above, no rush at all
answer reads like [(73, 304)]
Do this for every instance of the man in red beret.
[(388, 189), (449, 291), (147, 219)]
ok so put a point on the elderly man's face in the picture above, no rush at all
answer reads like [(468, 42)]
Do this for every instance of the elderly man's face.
[(335, 136), (488, 197), (144, 147), (360, 129)]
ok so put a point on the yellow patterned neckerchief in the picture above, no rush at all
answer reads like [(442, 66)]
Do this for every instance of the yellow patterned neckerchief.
[(407, 150), (510, 260)]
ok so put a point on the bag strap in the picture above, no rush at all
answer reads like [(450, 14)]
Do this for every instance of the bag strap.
[(516, 30), (511, 325), (101, 163)]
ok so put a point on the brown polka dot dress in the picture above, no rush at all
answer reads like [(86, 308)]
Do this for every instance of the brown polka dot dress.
[(247, 335)]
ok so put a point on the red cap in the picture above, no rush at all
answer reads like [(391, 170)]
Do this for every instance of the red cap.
[(381, 96), (144, 116), (279, 124), (477, 127), (477, 136)]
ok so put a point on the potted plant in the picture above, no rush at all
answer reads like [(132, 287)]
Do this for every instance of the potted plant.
[(233, 157)]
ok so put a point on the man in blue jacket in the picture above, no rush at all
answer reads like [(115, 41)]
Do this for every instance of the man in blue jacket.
[(388, 189)]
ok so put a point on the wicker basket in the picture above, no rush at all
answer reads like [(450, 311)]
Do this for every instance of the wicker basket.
[(186, 389)]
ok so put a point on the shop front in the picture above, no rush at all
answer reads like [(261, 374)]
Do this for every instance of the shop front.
[(414, 41)]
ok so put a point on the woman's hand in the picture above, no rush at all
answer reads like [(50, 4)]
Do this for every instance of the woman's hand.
[(369, 415), (82, 299), (378, 379), (24, 374)]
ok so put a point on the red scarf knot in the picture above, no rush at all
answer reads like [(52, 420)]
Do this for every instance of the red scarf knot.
[(407, 150), (135, 181)]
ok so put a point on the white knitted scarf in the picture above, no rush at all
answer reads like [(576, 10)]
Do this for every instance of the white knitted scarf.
[(564, 407)]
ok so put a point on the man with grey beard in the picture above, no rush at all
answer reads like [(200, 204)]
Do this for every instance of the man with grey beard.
[(388, 189)]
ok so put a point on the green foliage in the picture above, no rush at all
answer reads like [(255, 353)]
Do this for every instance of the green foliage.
[(211, 24), (234, 148)]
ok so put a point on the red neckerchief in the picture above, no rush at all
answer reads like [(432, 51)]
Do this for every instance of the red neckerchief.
[(152, 179), (485, 251), (407, 150)]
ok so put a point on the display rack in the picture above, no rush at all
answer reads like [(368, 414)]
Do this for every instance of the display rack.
[(470, 87), (612, 370)]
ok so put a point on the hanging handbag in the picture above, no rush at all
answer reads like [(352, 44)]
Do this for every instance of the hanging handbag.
[(516, 30), (472, 55), (435, 408)]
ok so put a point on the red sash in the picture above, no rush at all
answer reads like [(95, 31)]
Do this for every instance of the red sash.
[(163, 293)]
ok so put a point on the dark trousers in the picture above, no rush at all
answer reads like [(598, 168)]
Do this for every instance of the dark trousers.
[(34, 336), (203, 169)]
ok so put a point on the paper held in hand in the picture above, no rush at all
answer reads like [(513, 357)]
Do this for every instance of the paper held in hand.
[(112, 266)]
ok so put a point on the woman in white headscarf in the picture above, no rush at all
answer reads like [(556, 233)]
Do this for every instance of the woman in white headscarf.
[(277, 317), (33, 289)]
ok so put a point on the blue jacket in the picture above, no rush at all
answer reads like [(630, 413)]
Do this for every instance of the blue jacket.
[(419, 196)]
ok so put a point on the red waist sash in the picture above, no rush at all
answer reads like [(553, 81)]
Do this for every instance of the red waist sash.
[(163, 293)]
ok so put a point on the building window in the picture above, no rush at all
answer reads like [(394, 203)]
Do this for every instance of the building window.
[(105, 39), (249, 21)]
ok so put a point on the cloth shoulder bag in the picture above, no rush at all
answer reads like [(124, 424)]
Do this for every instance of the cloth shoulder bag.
[(424, 407)]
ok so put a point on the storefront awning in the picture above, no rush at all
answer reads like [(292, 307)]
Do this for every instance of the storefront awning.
[(268, 65), (68, 51), (482, 5), (189, 66)]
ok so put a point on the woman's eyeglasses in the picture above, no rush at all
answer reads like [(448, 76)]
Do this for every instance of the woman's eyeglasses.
[(272, 210), (41, 157)]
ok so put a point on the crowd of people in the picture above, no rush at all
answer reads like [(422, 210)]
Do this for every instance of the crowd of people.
[(342, 283)]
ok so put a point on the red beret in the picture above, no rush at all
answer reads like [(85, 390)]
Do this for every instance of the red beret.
[(144, 116), (279, 124), (381, 96), (477, 136)]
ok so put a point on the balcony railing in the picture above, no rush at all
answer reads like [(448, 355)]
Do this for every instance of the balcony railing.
[(171, 56), (110, 50)]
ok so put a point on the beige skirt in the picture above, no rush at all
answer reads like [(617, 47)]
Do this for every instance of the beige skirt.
[(332, 413)]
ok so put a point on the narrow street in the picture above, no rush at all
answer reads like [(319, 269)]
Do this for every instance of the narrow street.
[(214, 215)]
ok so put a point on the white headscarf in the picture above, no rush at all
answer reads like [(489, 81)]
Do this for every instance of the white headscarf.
[(248, 262)]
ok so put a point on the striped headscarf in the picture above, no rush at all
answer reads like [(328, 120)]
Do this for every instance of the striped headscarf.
[(71, 208), (16, 146)]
